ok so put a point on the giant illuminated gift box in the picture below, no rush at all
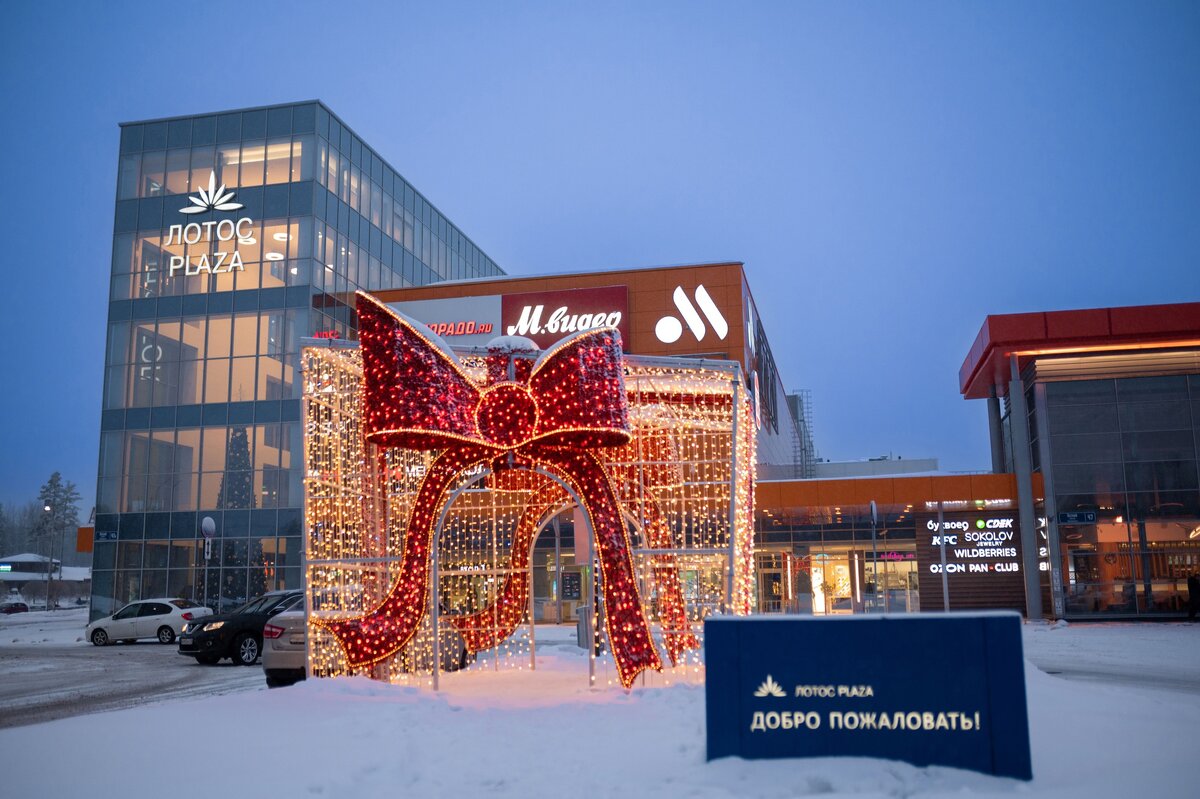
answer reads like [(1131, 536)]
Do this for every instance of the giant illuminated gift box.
[(430, 473)]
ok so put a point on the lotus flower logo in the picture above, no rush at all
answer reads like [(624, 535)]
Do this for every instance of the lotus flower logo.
[(770, 688), (212, 199)]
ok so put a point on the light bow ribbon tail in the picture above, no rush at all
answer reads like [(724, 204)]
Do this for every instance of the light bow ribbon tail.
[(379, 634), (624, 618), (625, 621), (390, 625), (677, 630), (500, 619)]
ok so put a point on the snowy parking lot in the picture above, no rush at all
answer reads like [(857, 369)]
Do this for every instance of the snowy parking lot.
[(47, 671), (1112, 712)]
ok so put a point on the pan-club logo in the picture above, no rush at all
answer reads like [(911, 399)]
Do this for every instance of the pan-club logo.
[(770, 688)]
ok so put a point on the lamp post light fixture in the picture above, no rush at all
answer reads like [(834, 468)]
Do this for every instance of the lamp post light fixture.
[(46, 508)]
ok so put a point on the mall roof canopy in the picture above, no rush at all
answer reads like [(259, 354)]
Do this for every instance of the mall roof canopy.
[(1071, 332)]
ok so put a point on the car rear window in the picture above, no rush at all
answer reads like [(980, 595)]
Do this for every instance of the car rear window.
[(269, 602), (253, 606), (184, 603)]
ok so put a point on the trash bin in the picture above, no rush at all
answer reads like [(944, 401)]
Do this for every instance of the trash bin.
[(584, 634), (585, 629)]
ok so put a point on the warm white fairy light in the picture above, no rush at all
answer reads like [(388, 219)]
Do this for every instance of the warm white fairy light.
[(679, 468)]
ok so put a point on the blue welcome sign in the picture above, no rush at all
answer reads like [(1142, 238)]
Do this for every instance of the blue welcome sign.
[(928, 689)]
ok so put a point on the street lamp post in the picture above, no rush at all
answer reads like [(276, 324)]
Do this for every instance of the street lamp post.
[(208, 528), (47, 508)]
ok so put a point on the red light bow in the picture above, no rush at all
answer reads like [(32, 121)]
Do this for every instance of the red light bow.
[(551, 412)]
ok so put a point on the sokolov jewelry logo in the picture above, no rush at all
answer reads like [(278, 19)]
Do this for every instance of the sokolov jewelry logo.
[(669, 329), (213, 198), (770, 688)]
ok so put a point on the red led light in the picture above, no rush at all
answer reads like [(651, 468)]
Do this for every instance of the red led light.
[(552, 414)]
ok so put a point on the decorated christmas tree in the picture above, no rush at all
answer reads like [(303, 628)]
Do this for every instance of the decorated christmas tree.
[(237, 484)]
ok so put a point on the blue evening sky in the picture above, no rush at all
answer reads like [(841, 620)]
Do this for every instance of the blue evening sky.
[(890, 173)]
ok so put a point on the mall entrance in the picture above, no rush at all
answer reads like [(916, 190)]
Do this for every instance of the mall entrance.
[(837, 580)]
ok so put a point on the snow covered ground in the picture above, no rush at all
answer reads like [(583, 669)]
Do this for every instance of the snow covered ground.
[(48, 671), (1123, 725), (54, 627)]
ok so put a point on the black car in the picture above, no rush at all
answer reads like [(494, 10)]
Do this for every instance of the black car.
[(237, 635)]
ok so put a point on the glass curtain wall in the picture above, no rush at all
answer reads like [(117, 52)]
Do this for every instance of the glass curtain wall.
[(201, 403), (1126, 449)]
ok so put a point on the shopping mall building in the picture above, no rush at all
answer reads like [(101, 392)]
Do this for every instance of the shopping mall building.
[(236, 235), (241, 235)]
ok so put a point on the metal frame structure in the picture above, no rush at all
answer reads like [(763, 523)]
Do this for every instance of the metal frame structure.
[(685, 484)]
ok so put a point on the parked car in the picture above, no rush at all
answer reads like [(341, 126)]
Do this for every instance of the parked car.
[(163, 619), (284, 653), (284, 649), (14, 607), (237, 635)]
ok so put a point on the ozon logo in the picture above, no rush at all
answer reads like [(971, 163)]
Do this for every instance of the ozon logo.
[(212, 199), (669, 329)]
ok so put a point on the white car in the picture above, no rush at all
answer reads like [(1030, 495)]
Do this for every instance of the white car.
[(147, 618), (284, 650)]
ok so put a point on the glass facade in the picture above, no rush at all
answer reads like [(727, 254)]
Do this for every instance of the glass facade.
[(1124, 449), (209, 298), (822, 560)]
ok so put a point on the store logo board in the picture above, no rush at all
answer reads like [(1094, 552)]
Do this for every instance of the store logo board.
[(223, 236), (930, 689), (983, 561), (547, 316), (669, 328), (462, 321)]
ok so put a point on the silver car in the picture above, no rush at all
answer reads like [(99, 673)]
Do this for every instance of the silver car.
[(163, 619), (284, 651)]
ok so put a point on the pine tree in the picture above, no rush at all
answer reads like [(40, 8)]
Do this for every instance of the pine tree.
[(60, 509), (237, 483), (60, 512)]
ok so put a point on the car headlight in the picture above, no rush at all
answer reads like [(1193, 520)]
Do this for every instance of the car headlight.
[(213, 625)]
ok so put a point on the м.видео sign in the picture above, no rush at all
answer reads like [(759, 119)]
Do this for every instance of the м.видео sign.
[(933, 689)]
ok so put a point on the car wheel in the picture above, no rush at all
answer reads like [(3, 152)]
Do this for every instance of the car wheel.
[(166, 635), (100, 638), (207, 660), (245, 649)]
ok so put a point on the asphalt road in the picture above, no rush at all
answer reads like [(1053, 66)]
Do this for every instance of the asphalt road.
[(45, 682)]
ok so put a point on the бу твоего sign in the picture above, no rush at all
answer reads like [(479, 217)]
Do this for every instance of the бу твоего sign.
[(929, 689)]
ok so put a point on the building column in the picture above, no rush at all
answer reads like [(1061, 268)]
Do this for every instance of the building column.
[(1018, 424), (996, 432), (1050, 503)]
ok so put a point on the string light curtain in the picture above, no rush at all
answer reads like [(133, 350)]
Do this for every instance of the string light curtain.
[(411, 450)]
